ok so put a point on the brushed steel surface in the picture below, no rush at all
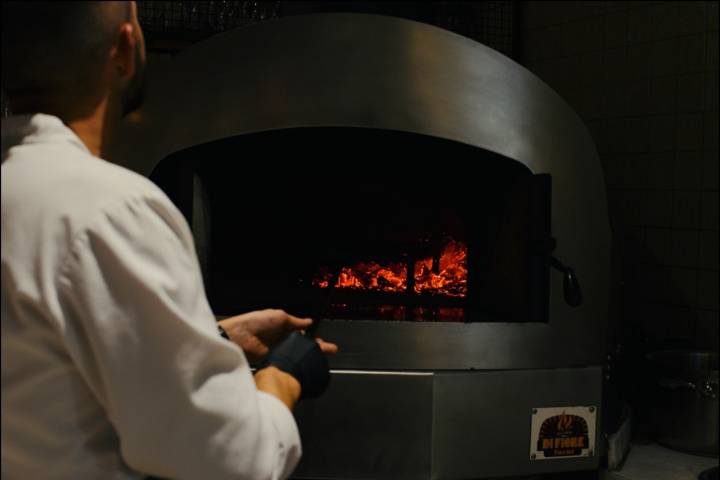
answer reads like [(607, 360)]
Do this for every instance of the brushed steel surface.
[(481, 424), (448, 425), (368, 426)]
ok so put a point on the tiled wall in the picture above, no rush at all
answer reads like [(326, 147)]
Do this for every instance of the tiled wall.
[(644, 78)]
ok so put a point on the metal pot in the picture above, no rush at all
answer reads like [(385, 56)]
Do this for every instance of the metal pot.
[(685, 404)]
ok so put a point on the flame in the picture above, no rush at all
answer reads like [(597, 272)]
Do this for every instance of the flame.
[(564, 421), (451, 279)]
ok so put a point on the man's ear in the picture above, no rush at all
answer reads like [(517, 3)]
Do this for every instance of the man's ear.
[(123, 52)]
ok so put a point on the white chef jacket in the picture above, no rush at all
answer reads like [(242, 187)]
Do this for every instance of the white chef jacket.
[(112, 366)]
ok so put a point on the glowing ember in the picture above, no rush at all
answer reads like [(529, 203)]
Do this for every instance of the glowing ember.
[(367, 276), (450, 279)]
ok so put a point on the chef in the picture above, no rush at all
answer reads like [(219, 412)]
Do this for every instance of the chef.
[(113, 366)]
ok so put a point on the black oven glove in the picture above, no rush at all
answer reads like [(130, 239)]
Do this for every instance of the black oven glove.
[(302, 358)]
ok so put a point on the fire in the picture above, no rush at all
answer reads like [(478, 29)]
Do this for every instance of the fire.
[(564, 421), (448, 278), (368, 276), (452, 277)]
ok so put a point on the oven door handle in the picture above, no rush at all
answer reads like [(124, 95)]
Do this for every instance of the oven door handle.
[(571, 285)]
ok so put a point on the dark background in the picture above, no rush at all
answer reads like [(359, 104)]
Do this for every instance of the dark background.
[(170, 26), (644, 78)]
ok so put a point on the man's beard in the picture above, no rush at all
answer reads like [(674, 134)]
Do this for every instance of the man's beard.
[(135, 92)]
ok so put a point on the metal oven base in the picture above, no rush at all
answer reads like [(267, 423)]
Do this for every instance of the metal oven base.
[(438, 425)]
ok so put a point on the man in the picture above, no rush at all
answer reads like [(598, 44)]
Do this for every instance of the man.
[(112, 365)]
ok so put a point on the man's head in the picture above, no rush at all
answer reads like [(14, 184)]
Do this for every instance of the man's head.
[(66, 58)]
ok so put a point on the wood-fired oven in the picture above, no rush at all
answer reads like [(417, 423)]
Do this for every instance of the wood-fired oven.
[(437, 208)]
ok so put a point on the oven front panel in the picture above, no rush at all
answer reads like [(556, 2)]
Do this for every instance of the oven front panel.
[(461, 346), (470, 425)]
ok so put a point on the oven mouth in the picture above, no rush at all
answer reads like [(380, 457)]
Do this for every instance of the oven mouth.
[(376, 238)]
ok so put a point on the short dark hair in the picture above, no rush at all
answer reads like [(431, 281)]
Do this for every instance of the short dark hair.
[(56, 48)]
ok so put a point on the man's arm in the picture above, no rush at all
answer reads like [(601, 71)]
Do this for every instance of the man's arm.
[(279, 384), (182, 400)]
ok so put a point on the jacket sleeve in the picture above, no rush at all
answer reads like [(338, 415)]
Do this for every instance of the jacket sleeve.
[(182, 400)]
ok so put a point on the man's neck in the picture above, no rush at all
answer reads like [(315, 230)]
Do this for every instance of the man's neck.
[(93, 129)]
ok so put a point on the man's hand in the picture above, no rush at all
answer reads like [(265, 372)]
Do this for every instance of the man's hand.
[(257, 332)]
